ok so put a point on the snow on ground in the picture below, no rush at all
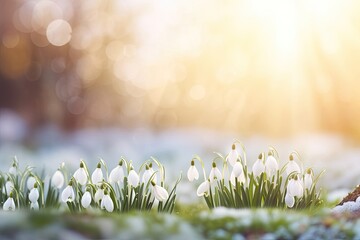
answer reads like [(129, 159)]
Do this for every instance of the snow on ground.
[(49, 147)]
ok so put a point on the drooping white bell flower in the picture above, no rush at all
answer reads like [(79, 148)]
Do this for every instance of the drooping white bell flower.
[(240, 178), (133, 178), (192, 173), (68, 194), (295, 188), (34, 206), (86, 199), (147, 175), (237, 169), (12, 169), (215, 173), (97, 176), (258, 167), (271, 165), (80, 175), (204, 188), (289, 200), (9, 204), (57, 180), (107, 203), (308, 181), (9, 186), (117, 174), (34, 194), (160, 193), (292, 166), (30, 182), (99, 194), (232, 156)]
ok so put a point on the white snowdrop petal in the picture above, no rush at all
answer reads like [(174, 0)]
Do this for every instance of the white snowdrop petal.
[(146, 176), (97, 176), (232, 157), (308, 181), (86, 200), (80, 176), (160, 193), (192, 173), (258, 168), (271, 165), (30, 182), (289, 200), (238, 169), (9, 204), (203, 188), (9, 186), (215, 174), (58, 179), (116, 175), (107, 203), (292, 167), (12, 170), (68, 194), (34, 195), (99, 194), (133, 178), (34, 206)]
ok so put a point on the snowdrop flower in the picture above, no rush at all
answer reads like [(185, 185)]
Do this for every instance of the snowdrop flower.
[(204, 188), (117, 174), (233, 178), (258, 166), (147, 175), (9, 204), (308, 181), (295, 188), (237, 174), (107, 203), (160, 193), (271, 165), (99, 194), (237, 169), (192, 173), (97, 176), (12, 169), (80, 175), (289, 200), (9, 186), (292, 166), (232, 156), (34, 206), (86, 199), (30, 182), (34, 194), (215, 173), (57, 180), (68, 193), (133, 178)]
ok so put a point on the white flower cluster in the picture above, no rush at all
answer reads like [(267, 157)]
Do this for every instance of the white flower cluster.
[(96, 190), (297, 184), (116, 177)]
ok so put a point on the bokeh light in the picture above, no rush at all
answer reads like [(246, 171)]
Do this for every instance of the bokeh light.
[(277, 68)]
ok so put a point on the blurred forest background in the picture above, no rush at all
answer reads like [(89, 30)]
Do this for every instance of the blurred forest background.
[(248, 67)]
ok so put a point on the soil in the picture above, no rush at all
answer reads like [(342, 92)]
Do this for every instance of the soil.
[(351, 196)]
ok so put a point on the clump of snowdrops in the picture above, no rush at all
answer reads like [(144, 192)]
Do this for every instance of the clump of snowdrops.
[(123, 189), (265, 184)]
